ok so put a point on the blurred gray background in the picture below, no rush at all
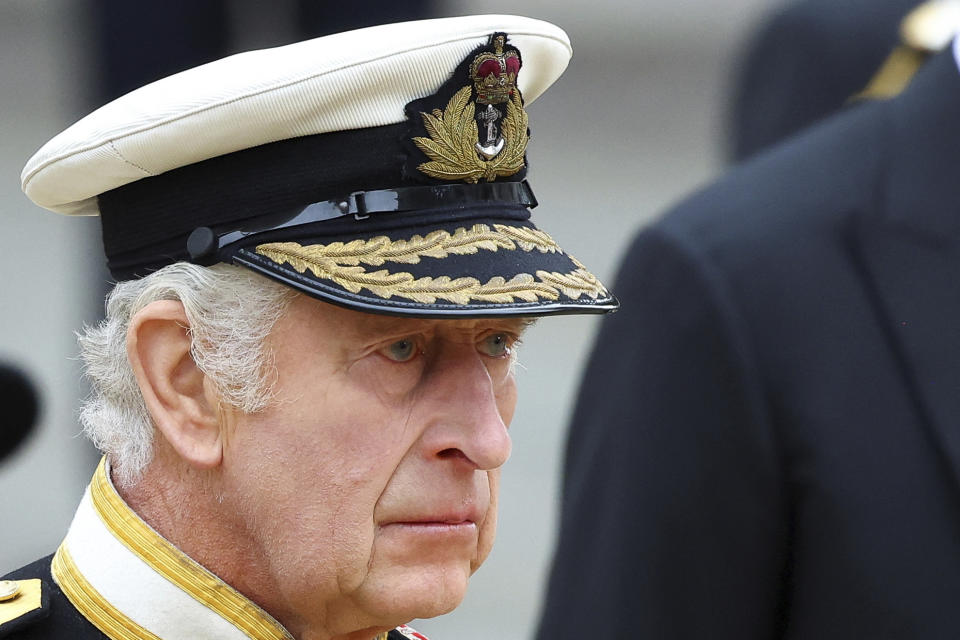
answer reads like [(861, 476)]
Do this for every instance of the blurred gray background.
[(634, 124)]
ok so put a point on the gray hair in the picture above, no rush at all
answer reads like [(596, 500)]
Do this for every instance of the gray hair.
[(230, 310)]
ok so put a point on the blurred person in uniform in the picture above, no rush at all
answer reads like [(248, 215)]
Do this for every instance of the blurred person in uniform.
[(304, 380), (806, 61), (767, 439), (21, 403), (138, 42)]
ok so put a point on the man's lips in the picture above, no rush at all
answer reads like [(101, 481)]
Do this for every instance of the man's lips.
[(432, 521), (435, 530), (459, 518)]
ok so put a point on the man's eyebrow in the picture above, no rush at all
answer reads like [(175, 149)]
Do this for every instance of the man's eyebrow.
[(513, 325), (527, 322), (373, 325), (518, 324)]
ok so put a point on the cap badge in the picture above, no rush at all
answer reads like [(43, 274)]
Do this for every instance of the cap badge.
[(465, 142)]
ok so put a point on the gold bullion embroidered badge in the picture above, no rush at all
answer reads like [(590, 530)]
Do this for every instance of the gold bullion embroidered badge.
[(456, 148)]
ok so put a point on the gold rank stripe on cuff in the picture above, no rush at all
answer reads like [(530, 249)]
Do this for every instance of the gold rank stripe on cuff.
[(176, 566), (91, 604)]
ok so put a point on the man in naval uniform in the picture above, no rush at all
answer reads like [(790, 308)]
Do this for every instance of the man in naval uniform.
[(767, 442), (304, 379)]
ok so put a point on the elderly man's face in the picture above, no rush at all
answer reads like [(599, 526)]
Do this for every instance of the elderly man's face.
[(369, 488)]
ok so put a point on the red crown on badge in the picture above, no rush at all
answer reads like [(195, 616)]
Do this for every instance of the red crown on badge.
[(495, 74)]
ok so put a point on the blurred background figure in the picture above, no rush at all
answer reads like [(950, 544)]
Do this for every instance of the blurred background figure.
[(21, 405), (766, 442), (806, 61), (138, 43)]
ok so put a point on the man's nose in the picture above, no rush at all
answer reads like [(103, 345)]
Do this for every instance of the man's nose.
[(467, 416)]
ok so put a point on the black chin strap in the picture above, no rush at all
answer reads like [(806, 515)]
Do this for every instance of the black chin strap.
[(204, 244)]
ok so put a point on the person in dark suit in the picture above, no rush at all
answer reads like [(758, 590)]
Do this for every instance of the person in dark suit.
[(139, 42), (767, 440), (804, 63)]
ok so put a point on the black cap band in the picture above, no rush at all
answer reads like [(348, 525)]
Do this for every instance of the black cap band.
[(204, 244)]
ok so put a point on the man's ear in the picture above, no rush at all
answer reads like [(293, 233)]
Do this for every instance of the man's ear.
[(175, 391)]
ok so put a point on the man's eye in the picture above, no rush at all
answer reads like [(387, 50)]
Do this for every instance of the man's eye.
[(401, 350), (496, 345)]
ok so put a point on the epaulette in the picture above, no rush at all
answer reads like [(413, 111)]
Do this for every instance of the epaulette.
[(22, 603), (926, 30)]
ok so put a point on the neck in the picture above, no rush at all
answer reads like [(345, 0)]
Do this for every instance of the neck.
[(187, 507), (183, 505)]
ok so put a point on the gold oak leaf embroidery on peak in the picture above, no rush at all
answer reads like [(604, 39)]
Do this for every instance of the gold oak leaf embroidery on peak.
[(341, 263), (436, 244), (453, 135), (574, 284)]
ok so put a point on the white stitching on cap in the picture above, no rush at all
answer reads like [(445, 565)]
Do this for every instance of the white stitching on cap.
[(113, 146)]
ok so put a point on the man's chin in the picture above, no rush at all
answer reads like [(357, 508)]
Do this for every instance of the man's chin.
[(421, 592)]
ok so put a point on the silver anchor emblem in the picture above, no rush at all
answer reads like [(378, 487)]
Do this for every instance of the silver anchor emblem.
[(495, 142)]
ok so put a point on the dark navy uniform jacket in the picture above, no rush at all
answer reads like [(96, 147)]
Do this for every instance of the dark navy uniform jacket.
[(767, 441)]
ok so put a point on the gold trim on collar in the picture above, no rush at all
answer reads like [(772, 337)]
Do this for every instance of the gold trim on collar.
[(177, 567), (436, 244), (88, 601)]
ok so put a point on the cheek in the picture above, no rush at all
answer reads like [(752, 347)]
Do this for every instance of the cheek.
[(311, 511), (390, 382), (316, 469), (350, 427)]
